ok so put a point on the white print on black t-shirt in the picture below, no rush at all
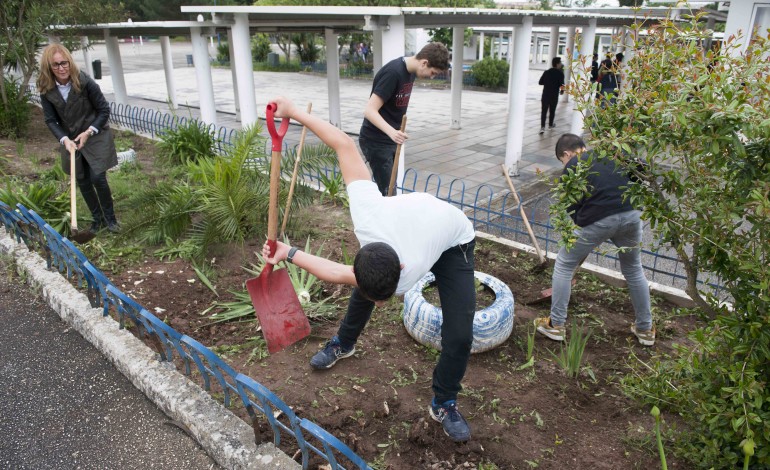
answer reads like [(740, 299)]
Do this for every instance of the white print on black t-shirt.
[(402, 96)]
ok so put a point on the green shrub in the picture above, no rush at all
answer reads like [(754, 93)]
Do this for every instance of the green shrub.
[(260, 47), (189, 142), (307, 49), (223, 53), (491, 73), (44, 197), (14, 115), (698, 135)]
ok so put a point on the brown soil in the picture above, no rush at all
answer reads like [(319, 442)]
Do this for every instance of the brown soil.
[(376, 401)]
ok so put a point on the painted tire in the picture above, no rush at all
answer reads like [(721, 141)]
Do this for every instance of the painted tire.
[(126, 156), (491, 326)]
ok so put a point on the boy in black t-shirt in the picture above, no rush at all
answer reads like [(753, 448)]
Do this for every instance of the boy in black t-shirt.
[(380, 132)]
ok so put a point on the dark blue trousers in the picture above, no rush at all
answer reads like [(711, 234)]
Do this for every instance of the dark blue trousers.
[(457, 292)]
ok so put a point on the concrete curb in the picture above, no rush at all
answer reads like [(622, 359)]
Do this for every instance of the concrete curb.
[(224, 436)]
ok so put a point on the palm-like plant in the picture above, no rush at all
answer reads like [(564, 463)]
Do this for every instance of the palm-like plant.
[(222, 199), (188, 142), (44, 197), (166, 212), (233, 196)]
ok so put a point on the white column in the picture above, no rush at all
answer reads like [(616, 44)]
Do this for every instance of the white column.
[(553, 44), (203, 75), (500, 46), (392, 46), (628, 47), (116, 68), (244, 69), (233, 74), (168, 70), (511, 53), (333, 77), (518, 99), (89, 68), (378, 59), (583, 70), (533, 38), (481, 46), (458, 36), (568, 60)]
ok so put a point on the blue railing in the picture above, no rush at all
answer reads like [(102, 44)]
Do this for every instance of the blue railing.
[(262, 405)]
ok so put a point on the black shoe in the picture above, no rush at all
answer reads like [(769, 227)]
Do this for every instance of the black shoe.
[(542, 130), (97, 225), (113, 227), (450, 418)]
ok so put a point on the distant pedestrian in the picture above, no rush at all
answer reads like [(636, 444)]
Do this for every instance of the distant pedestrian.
[(595, 68), (608, 82), (553, 85)]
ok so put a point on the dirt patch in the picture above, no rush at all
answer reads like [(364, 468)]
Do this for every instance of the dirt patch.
[(376, 401)]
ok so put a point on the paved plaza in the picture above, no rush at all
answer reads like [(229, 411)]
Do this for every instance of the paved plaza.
[(473, 154)]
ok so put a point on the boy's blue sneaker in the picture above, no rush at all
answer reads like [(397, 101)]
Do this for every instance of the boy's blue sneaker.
[(450, 418), (330, 354)]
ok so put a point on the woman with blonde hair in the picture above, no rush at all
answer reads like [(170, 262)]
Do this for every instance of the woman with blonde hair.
[(77, 114)]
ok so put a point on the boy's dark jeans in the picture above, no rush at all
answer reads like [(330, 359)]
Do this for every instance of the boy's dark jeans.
[(457, 292), (380, 156)]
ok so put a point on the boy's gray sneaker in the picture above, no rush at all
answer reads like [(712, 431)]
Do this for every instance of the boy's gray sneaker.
[(330, 354), (450, 418)]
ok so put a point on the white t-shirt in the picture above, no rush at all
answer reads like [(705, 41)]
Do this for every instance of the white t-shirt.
[(418, 226)]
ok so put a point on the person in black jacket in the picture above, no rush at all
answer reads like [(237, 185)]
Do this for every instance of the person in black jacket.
[(553, 85), (595, 68), (609, 82), (601, 214), (77, 114)]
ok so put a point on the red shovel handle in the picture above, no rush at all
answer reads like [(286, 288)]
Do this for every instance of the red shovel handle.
[(276, 135), (272, 245), (275, 172)]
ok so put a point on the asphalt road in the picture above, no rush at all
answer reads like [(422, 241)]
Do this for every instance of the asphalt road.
[(64, 406)]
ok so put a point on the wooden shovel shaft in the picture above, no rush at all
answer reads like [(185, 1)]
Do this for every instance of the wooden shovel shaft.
[(394, 172), (294, 174), (275, 182), (524, 216), (73, 197)]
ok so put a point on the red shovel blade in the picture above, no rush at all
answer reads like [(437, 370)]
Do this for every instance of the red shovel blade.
[(280, 314)]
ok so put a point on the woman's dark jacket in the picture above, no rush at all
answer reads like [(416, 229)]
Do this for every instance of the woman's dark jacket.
[(82, 110)]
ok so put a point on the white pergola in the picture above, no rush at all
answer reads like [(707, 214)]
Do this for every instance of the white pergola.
[(388, 25)]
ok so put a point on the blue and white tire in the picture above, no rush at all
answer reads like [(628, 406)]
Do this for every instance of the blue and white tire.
[(491, 326)]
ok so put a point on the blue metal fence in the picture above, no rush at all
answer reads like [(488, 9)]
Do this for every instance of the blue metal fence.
[(262, 405)]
